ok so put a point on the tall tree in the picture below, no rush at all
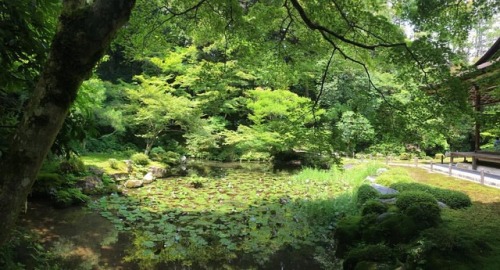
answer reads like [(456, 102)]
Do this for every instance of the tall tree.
[(84, 32)]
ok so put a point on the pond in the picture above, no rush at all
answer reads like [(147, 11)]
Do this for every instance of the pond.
[(231, 216)]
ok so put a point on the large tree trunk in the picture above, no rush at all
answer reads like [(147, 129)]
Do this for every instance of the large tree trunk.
[(83, 34)]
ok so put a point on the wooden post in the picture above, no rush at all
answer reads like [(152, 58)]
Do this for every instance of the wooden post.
[(474, 163), (442, 159), (416, 162), (432, 166), (477, 131), (449, 169), (482, 177), (387, 160)]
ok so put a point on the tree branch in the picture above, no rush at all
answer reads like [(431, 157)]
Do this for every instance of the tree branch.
[(314, 26)]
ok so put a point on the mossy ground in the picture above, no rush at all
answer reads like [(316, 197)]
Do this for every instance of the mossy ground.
[(480, 222)]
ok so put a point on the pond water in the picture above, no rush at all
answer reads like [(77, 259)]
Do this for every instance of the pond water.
[(231, 216)]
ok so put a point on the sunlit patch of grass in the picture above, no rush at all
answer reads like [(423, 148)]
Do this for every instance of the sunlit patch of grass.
[(102, 160)]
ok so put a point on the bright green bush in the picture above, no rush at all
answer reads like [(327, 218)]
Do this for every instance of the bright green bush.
[(365, 193), (113, 163), (401, 187), (452, 198), (378, 253), (140, 159), (409, 198), (157, 153), (374, 207), (171, 158)]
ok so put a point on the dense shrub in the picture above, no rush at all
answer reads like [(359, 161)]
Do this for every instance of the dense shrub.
[(171, 158), (374, 207), (452, 198), (365, 193), (45, 182), (73, 165), (391, 228), (378, 253), (157, 153), (409, 198), (140, 159), (348, 233), (424, 214)]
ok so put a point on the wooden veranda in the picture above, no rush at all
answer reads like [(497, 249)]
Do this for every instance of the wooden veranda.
[(484, 91)]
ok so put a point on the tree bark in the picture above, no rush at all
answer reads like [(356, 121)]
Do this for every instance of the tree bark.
[(84, 32)]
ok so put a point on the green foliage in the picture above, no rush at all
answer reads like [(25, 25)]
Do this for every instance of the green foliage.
[(366, 192), (46, 181), (378, 253), (409, 198), (157, 153), (154, 109), (113, 163), (454, 199), (373, 207), (280, 120), (424, 214), (74, 165), (140, 159), (405, 156), (69, 196), (355, 129), (24, 250)]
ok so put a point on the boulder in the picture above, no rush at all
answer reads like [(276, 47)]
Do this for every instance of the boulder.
[(384, 190), (388, 201), (158, 172), (442, 205), (95, 170), (90, 184), (148, 178), (119, 176), (133, 183)]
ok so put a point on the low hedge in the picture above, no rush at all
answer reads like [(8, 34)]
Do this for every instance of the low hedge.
[(454, 199)]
